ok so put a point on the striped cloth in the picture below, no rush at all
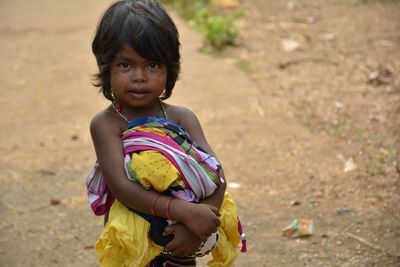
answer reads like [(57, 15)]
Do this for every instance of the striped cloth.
[(161, 156), (199, 171)]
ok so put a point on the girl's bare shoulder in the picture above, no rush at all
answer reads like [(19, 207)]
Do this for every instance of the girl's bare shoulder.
[(106, 121), (179, 114)]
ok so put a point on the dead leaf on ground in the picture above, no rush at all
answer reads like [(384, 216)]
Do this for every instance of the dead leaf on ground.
[(349, 165), (289, 45), (55, 202)]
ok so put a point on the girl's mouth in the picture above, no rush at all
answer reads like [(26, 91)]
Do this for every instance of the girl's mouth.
[(138, 94)]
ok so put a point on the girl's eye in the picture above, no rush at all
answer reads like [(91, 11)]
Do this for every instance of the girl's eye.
[(124, 65), (154, 66)]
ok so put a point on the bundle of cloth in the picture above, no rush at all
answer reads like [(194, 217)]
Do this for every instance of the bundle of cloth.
[(160, 155)]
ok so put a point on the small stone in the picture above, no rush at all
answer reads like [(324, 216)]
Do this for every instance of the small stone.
[(289, 45), (328, 36), (349, 165), (343, 209), (234, 185), (290, 5), (295, 203)]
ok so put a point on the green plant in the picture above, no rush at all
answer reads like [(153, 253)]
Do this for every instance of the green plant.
[(337, 129), (356, 2), (244, 65), (353, 2), (219, 31), (187, 9), (380, 159)]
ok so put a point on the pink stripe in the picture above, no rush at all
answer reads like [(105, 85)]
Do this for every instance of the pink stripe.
[(98, 209), (201, 181), (163, 139), (213, 170)]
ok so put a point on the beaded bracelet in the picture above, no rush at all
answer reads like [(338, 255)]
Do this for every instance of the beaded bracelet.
[(167, 208), (153, 204)]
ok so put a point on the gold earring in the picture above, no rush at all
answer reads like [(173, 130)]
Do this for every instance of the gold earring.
[(163, 93)]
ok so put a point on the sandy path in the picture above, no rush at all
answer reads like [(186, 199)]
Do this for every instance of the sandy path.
[(47, 102), (46, 105)]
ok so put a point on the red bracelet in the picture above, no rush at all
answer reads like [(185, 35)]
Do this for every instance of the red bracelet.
[(153, 203), (167, 208)]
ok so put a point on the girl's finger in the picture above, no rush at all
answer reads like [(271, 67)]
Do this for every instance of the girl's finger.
[(204, 238), (215, 210), (168, 230), (173, 251), (217, 222), (185, 254), (171, 246), (179, 253)]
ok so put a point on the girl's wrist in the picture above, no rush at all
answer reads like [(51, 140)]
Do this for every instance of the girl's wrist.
[(179, 210)]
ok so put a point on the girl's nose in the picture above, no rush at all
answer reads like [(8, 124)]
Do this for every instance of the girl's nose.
[(138, 75)]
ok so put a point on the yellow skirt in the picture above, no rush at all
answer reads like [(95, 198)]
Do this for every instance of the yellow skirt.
[(124, 241)]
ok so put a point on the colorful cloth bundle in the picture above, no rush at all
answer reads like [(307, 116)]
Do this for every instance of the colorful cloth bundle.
[(156, 148), (161, 156)]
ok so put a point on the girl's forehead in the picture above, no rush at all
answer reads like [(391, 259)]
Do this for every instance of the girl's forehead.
[(141, 53), (127, 51)]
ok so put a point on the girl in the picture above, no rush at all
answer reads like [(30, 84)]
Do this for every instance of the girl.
[(155, 168)]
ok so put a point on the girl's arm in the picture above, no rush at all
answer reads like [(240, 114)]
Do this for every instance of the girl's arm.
[(192, 125), (184, 243), (105, 131)]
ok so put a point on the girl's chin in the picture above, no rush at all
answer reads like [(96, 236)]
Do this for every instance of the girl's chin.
[(141, 102)]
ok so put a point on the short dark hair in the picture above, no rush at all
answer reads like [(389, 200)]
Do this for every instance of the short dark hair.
[(143, 25)]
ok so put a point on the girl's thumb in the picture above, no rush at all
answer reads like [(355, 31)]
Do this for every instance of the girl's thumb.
[(215, 210), (168, 230)]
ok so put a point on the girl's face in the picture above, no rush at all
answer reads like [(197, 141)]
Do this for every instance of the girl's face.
[(136, 81)]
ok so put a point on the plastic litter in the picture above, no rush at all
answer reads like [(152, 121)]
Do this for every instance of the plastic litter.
[(299, 228)]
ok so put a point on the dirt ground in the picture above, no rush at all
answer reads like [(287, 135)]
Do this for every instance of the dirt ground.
[(309, 130)]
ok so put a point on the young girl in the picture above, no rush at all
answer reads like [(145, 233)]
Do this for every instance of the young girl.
[(156, 180)]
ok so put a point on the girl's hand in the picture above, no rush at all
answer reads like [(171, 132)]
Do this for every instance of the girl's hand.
[(185, 243), (201, 219)]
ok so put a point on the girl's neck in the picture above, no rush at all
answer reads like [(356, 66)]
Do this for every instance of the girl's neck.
[(128, 114)]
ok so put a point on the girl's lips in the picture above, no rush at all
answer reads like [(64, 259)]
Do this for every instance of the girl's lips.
[(138, 94)]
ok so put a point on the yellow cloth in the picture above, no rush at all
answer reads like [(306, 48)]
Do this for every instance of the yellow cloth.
[(124, 240), (154, 170), (225, 253)]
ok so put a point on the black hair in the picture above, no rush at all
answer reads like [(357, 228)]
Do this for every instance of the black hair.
[(145, 26)]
